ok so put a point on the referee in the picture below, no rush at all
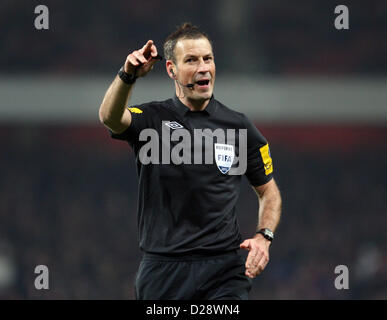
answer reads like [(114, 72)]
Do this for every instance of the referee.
[(187, 223)]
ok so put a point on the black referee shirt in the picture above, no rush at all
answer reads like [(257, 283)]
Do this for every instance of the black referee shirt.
[(187, 204)]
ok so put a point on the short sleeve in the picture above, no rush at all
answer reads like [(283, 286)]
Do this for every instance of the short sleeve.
[(259, 162), (141, 119)]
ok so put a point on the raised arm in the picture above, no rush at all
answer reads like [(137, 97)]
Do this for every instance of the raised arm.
[(113, 112)]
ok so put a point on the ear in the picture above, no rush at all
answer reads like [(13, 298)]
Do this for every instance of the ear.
[(171, 66)]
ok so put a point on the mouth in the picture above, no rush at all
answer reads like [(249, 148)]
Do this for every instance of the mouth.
[(203, 84)]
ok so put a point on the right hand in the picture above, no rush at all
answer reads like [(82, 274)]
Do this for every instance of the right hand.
[(143, 59)]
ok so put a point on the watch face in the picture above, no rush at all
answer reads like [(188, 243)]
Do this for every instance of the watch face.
[(268, 234)]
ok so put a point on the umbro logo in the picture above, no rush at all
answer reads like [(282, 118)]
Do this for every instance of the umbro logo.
[(173, 125)]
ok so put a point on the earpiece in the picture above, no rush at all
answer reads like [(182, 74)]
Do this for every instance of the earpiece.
[(173, 73)]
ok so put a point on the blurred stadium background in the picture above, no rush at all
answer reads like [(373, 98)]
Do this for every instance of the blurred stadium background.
[(68, 193)]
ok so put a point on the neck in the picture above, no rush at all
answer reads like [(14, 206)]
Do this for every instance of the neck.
[(193, 104)]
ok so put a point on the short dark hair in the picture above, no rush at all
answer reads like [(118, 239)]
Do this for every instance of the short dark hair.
[(184, 31)]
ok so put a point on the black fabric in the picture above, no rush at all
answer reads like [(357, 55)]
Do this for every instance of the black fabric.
[(186, 208), (220, 277)]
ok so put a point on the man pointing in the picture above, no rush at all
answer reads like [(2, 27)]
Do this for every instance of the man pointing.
[(188, 228)]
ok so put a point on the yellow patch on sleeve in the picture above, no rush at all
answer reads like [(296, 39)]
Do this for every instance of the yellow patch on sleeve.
[(135, 110), (266, 158)]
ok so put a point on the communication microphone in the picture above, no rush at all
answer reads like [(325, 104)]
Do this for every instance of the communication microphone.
[(189, 85)]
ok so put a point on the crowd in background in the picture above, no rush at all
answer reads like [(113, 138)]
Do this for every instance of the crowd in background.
[(253, 37), (71, 205)]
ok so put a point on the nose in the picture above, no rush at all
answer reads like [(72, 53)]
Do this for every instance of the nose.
[(203, 66)]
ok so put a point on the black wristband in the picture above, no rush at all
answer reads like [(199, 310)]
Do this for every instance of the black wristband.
[(126, 77)]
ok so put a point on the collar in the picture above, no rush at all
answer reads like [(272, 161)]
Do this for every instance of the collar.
[(183, 110)]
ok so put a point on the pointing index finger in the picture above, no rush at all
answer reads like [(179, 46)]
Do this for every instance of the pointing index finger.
[(146, 49)]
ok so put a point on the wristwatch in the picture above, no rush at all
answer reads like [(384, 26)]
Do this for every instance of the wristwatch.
[(267, 233), (126, 77)]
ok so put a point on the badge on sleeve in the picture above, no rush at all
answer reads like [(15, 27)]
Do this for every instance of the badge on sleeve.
[(224, 156), (266, 158), (135, 110)]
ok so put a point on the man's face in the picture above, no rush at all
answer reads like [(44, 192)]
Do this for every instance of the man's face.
[(195, 64)]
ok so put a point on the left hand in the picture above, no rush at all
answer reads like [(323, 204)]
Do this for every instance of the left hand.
[(258, 256)]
